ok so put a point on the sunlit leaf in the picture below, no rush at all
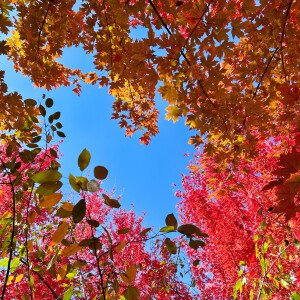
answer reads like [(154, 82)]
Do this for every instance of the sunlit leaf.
[(84, 159)]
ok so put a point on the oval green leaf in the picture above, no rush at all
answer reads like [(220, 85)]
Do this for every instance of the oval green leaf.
[(84, 159), (79, 211)]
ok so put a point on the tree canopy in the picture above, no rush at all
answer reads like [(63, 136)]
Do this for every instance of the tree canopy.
[(231, 70)]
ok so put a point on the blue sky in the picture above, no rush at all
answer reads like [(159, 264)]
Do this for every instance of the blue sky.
[(143, 175)]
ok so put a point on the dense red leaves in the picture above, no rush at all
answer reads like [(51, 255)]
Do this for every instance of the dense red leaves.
[(226, 205)]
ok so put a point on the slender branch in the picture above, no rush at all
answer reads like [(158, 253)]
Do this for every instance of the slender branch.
[(200, 19), (107, 27), (98, 262), (283, 35), (181, 52), (267, 272), (12, 232), (42, 26), (42, 279), (265, 71)]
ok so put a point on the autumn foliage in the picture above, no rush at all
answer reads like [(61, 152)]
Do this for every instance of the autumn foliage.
[(231, 70)]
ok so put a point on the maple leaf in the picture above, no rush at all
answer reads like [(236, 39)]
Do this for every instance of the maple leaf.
[(290, 94), (287, 208), (173, 112), (289, 164)]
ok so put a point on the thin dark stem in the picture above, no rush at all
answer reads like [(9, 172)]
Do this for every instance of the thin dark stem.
[(42, 279), (12, 232), (267, 272), (107, 27), (200, 19), (283, 35), (181, 52), (263, 75), (98, 262), (41, 29)]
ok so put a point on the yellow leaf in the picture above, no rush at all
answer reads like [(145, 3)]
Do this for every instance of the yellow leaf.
[(120, 247), (169, 93), (49, 139), (68, 206), (19, 278), (173, 112), (130, 275), (6, 215), (30, 245), (49, 201), (71, 250), (9, 281), (62, 272), (60, 233)]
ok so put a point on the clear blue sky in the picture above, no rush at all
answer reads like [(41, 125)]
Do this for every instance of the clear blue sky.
[(143, 175)]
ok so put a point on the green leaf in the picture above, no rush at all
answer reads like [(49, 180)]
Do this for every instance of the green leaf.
[(88, 242), (295, 296), (123, 231), (58, 125), (145, 231), (171, 246), (30, 102), (4, 262), (93, 223), (49, 102), (190, 229), (111, 202), (242, 263), (79, 211), (68, 294), (82, 182), (49, 175), (258, 236), (171, 221), (236, 288), (56, 115), (48, 188), (265, 248), (73, 183), (60, 134), (53, 152), (42, 110), (132, 293), (195, 244), (260, 211), (100, 172), (167, 229), (84, 159), (14, 264), (62, 213)]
